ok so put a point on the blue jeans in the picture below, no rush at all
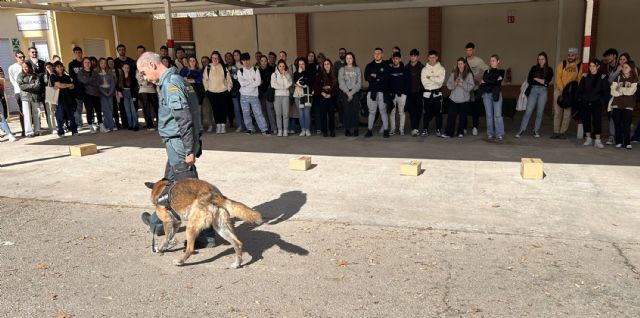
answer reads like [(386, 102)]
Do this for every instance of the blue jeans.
[(537, 99), (107, 111), (237, 112), (305, 115), (252, 104), (63, 114), (130, 109), (493, 110), (4, 125)]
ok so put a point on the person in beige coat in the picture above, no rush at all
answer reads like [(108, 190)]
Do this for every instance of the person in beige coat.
[(217, 84)]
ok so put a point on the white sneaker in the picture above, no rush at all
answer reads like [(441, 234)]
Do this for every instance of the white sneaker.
[(460, 135), (415, 133), (12, 138), (392, 132), (285, 133), (92, 128), (103, 128), (239, 129), (303, 133), (610, 141), (438, 133), (474, 131), (629, 146), (598, 144), (588, 142), (279, 132), (309, 133), (382, 130), (114, 129), (519, 134), (536, 134), (210, 129), (402, 132), (223, 128), (619, 146)]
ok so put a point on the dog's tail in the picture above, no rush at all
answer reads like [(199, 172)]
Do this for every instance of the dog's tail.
[(238, 210)]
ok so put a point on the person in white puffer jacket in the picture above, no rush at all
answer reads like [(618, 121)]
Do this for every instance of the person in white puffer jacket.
[(432, 77)]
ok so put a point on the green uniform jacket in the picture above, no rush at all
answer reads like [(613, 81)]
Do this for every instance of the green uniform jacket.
[(179, 111)]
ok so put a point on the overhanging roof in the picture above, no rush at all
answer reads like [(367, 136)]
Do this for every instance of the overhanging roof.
[(127, 7)]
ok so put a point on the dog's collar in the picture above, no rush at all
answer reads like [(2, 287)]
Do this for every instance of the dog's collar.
[(165, 200)]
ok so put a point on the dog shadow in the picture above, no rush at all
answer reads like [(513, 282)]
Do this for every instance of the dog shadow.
[(256, 240)]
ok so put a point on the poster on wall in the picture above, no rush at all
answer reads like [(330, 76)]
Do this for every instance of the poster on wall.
[(15, 44), (32, 22)]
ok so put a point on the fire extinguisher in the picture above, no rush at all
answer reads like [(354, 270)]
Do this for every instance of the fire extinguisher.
[(507, 76)]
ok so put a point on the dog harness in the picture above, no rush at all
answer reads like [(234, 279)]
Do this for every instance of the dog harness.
[(165, 200)]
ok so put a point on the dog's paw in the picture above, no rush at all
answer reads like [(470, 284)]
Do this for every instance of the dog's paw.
[(235, 265), (178, 262)]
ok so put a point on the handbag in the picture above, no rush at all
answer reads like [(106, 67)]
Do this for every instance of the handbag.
[(51, 95), (298, 92)]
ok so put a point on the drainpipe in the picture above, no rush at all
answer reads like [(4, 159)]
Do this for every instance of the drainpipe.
[(116, 35)]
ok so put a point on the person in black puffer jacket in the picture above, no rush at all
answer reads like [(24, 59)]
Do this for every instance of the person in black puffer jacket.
[(592, 94)]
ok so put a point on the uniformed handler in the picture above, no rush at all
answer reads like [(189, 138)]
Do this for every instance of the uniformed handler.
[(178, 125), (178, 117)]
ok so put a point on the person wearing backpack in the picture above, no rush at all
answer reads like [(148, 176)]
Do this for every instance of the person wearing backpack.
[(569, 70), (249, 79)]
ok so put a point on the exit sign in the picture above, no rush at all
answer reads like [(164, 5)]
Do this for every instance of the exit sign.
[(511, 19)]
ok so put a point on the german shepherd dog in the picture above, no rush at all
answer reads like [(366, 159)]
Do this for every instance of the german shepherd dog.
[(202, 205)]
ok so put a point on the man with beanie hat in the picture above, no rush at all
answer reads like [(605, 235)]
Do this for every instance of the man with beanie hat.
[(569, 70)]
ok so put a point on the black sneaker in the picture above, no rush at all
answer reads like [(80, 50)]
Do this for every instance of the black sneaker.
[(355, 133), (249, 132), (385, 134), (347, 133), (562, 136), (368, 134)]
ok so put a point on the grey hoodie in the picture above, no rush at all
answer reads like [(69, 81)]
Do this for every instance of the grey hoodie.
[(460, 94), (350, 79)]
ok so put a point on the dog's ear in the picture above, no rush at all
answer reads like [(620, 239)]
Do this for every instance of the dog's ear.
[(149, 184)]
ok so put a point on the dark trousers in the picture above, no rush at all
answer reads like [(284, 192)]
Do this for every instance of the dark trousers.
[(220, 105), (622, 122), (433, 108), (414, 106), (351, 110), (64, 115), (475, 108), (91, 104), (327, 114), (458, 110), (5, 106), (592, 117), (123, 114), (149, 103), (19, 100)]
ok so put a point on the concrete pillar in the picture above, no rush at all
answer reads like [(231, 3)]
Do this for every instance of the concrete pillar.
[(168, 25)]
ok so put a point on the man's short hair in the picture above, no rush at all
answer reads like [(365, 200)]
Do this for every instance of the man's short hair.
[(272, 54), (396, 54), (433, 52), (32, 48), (18, 52), (77, 49), (397, 48), (147, 57), (342, 49), (379, 49), (58, 63), (470, 45), (164, 47), (180, 49), (284, 52), (141, 47), (414, 52), (610, 51), (245, 57), (121, 46)]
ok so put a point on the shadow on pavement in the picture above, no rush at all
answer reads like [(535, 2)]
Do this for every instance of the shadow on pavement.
[(257, 241)]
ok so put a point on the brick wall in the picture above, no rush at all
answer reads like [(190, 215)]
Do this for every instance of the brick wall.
[(182, 29), (302, 34)]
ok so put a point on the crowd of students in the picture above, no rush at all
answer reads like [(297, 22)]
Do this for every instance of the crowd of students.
[(272, 96)]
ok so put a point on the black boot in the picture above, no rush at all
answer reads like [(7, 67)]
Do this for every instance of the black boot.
[(368, 134), (386, 133)]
